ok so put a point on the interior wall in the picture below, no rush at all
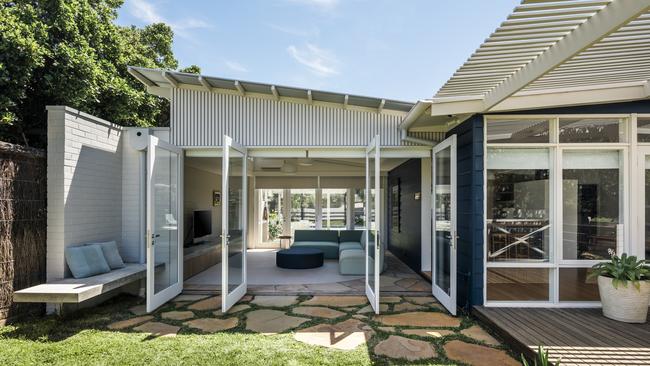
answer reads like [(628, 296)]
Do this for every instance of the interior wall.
[(404, 238), (198, 187)]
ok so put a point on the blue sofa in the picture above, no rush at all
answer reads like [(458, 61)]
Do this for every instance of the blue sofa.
[(348, 246)]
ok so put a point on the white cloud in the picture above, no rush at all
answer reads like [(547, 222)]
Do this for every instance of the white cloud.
[(235, 66), (311, 32), (319, 61), (147, 12)]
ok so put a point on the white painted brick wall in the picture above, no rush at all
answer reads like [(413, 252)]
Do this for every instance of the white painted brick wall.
[(84, 185)]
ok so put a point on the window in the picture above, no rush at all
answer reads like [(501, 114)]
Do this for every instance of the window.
[(518, 205), (552, 208), (643, 129), (359, 215), (303, 209), (334, 208)]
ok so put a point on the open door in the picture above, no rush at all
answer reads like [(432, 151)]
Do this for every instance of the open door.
[(373, 215), (163, 236), (233, 223), (443, 271)]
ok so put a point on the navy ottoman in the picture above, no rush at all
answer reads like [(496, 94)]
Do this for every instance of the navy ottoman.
[(299, 258)]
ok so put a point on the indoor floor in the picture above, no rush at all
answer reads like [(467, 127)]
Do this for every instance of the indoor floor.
[(264, 277)]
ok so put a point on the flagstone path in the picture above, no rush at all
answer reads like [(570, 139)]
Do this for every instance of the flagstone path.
[(409, 329)]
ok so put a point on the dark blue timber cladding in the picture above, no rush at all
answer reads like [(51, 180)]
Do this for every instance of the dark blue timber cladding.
[(469, 170), (405, 242)]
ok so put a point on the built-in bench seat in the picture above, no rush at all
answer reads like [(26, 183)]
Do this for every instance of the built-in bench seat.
[(76, 290)]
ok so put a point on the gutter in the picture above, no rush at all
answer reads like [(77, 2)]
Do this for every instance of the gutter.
[(418, 109)]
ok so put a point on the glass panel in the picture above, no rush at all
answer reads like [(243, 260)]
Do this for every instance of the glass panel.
[(575, 286), (591, 205), (372, 224), (303, 209), (518, 131), (443, 234), (647, 207), (334, 207), (359, 214), (643, 129), (517, 284), (518, 205), (590, 130), (235, 219), (165, 218), (271, 219)]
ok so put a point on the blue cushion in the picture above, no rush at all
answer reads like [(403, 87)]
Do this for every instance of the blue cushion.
[(111, 254), (350, 235), (316, 235), (330, 249), (349, 245), (85, 261)]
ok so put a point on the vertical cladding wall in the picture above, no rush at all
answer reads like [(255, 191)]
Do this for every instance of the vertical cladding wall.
[(84, 174), (470, 210), (404, 241)]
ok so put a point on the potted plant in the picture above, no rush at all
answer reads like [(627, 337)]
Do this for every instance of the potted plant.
[(624, 286)]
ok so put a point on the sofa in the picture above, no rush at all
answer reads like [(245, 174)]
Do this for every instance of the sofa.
[(348, 246)]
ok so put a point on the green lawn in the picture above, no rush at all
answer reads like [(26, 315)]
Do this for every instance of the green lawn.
[(83, 338)]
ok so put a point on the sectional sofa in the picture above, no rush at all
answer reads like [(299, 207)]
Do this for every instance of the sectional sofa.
[(348, 246)]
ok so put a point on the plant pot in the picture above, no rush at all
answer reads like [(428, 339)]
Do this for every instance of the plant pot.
[(625, 304)]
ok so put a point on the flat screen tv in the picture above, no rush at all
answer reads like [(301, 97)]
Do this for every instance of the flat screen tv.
[(202, 221)]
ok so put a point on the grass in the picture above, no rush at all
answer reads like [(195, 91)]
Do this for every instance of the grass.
[(82, 338)]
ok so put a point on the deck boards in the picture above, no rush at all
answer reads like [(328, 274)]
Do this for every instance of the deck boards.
[(576, 336)]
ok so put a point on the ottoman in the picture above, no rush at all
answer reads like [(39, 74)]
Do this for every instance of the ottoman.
[(299, 258)]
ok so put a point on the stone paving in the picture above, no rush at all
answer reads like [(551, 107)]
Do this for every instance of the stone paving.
[(409, 329)]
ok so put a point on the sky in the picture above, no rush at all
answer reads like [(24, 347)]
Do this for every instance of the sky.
[(399, 49)]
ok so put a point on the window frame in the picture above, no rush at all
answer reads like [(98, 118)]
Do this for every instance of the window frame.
[(628, 138)]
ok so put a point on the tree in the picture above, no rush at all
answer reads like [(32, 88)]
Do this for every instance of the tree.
[(70, 52)]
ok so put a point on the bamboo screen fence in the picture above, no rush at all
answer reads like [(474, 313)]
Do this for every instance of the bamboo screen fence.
[(22, 226)]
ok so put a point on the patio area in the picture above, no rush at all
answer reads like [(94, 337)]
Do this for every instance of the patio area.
[(268, 330), (578, 337)]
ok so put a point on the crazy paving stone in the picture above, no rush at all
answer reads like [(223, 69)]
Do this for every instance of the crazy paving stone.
[(337, 301), (387, 329), (189, 297), (368, 309), (318, 311), (345, 335), (246, 298), (128, 323), (211, 325), (211, 303), (475, 355), (234, 309), (275, 301), (419, 319), (271, 321), (479, 334), (405, 348), (420, 300), (389, 299), (138, 309), (407, 306), (359, 316), (434, 333), (158, 329), (177, 315)]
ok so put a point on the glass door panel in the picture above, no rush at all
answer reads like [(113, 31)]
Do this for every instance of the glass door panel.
[(164, 256), (444, 224), (233, 237), (374, 259)]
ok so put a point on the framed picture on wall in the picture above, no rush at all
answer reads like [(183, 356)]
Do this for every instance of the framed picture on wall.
[(216, 198)]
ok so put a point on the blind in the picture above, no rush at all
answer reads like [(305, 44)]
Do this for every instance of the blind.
[(286, 182), (343, 182), (590, 159), (517, 158)]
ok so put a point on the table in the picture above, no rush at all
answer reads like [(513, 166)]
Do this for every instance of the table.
[(285, 237), (299, 258)]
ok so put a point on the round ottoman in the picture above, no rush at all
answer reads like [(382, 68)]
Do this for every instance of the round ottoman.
[(299, 258)]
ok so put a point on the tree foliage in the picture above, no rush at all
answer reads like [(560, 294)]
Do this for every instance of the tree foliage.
[(70, 52)]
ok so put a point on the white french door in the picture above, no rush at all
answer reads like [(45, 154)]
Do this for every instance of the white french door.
[(443, 269), (642, 251), (234, 214), (163, 223), (374, 259)]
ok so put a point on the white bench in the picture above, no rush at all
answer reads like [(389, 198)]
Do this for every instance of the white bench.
[(76, 290)]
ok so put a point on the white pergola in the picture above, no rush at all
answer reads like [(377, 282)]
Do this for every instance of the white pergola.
[(548, 53)]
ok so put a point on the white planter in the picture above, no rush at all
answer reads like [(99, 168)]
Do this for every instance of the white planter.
[(625, 304)]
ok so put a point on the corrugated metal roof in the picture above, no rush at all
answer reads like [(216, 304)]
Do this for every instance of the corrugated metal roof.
[(161, 78), (622, 56)]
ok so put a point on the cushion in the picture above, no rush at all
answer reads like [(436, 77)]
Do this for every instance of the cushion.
[(350, 235), (330, 249), (111, 254), (85, 261), (352, 262), (316, 235), (348, 245)]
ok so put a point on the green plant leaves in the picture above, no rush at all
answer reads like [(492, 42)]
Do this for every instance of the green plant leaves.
[(623, 269)]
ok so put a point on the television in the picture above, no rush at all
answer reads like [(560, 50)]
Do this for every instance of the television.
[(202, 223)]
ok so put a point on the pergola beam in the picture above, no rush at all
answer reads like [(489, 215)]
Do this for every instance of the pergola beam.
[(275, 93), (206, 84), (170, 79), (240, 88)]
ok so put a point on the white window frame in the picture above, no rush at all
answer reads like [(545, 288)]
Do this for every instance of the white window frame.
[(628, 177)]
